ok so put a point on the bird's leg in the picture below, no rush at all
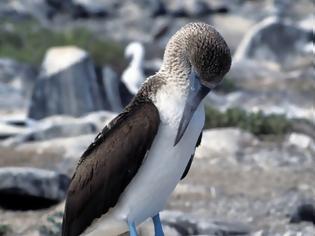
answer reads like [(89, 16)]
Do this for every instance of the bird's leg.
[(132, 229), (158, 230)]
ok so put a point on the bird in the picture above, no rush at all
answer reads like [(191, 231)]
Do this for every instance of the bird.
[(128, 173), (133, 76)]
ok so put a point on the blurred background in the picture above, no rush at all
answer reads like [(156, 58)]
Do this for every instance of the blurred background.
[(67, 67)]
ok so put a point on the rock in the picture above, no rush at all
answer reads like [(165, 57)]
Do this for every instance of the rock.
[(7, 130), (290, 104), (198, 8), (224, 142), (60, 5), (187, 224), (11, 99), (18, 183), (60, 126), (147, 229), (26, 8), (303, 212), (271, 157), (17, 119), (157, 7), (232, 35), (67, 85), (287, 9), (58, 154), (232, 146), (88, 8), (223, 228), (111, 87), (301, 140), (275, 40), (54, 128), (20, 76), (54, 143)]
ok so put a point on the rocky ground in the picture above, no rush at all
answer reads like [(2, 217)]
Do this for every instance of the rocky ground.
[(253, 175)]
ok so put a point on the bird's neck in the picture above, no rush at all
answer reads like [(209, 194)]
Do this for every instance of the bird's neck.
[(137, 59), (176, 65)]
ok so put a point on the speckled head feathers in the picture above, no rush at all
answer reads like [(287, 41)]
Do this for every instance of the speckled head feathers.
[(200, 47)]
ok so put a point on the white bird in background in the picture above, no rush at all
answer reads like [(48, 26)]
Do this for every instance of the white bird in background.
[(133, 76)]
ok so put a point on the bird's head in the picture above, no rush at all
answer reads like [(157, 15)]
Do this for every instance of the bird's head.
[(134, 50), (199, 55), (198, 50)]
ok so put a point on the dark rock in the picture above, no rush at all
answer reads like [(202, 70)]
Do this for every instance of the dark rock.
[(68, 86), (199, 8), (304, 212), (28, 185), (157, 8), (111, 87), (86, 9), (60, 4)]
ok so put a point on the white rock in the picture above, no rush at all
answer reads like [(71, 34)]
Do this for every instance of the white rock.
[(7, 130), (300, 140), (59, 58), (224, 142), (69, 151)]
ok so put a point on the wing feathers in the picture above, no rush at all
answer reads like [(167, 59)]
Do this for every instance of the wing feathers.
[(108, 165)]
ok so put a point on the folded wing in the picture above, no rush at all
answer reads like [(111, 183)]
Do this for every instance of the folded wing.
[(108, 166)]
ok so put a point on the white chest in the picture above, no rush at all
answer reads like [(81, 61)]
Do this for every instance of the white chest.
[(159, 174)]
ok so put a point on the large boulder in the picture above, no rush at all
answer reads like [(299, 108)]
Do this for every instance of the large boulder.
[(30, 184), (67, 85), (275, 40)]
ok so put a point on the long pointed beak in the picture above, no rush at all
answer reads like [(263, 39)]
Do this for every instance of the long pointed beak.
[(193, 101)]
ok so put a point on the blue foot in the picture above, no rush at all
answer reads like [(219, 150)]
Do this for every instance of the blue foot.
[(158, 230), (132, 229)]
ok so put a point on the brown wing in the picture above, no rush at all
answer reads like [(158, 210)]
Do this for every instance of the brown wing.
[(108, 165), (192, 157)]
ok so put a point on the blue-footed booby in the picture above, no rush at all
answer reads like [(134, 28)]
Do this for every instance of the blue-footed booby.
[(133, 76), (127, 174)]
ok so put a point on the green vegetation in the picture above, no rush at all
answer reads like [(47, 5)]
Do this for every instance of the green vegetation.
[(5, 229), (256, 123), (27, 41)]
